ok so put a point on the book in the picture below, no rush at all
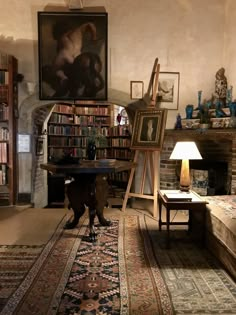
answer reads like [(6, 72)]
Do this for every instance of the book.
[(177, 196)]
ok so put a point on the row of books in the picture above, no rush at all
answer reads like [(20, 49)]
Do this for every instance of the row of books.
[(56, 153), (3, 152), (82, 110), (79, 120), (4, 60), (62, 108), (72, 142), (120, 142), (4, 134), (120, 130), (4, 77), (104, 110), (120, 177), (3, 93), (120, 153), (61, 119), (4, 111), (3, 174), (76, 131), (92, 120)]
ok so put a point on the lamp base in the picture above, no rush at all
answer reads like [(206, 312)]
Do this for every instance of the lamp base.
[(184, 188)]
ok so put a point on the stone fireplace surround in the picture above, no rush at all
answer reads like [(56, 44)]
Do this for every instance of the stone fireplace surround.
[(215, 145)]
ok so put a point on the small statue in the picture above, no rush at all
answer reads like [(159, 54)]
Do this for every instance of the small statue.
[(199, 97), (178, 124), (221, 85)]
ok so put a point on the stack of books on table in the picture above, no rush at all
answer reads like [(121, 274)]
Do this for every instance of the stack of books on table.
[(181, 196)]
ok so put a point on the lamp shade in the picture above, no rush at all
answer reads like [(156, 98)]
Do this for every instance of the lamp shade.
[(185, 150)]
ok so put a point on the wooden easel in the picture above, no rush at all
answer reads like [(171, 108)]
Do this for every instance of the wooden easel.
[(151, 157)]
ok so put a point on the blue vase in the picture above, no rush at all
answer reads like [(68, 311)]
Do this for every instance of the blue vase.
[(189, 111)]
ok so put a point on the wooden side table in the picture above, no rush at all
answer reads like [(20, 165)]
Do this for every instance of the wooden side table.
[(196, 204)]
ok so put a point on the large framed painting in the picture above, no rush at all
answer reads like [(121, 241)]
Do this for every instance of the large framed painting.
[(72, 49), (149, 128)]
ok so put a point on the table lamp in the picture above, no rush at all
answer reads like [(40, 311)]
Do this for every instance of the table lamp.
[(185, 151)]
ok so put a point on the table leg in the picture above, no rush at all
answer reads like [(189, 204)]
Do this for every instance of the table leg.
[(168, 227), (190, 220), (160, 210), (87, 189)]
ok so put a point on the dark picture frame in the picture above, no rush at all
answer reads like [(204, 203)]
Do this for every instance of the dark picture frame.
[(149, 128), (72, 48), (39, 146), (168, 90)]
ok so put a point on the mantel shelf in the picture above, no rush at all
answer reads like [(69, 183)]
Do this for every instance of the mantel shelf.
[(186, 134)]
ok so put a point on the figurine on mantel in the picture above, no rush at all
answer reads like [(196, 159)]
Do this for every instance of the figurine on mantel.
[(221, 86), (178, 124)]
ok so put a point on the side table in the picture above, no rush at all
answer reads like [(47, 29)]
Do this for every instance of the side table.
[(190, 201)]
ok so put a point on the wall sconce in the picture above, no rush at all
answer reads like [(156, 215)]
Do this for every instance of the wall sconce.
[(185, 151)]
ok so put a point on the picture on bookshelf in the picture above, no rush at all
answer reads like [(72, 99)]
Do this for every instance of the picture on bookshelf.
[(72, 55), (149, 127)]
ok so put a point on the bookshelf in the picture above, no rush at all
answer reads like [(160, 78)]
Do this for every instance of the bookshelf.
[(70, 127), (8, 127), (120, 142)]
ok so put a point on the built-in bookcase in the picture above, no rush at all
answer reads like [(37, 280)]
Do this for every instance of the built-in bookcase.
[(120, 142), (71, 127), (8, 111)]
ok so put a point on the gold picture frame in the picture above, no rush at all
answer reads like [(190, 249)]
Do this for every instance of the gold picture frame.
[(149, 127)]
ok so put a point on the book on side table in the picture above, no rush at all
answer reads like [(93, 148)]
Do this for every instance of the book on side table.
[(178, 196)]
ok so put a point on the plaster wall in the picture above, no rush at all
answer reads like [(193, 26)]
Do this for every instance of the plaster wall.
[(193, 37)]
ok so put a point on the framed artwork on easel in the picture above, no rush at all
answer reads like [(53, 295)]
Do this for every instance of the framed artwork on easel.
[(149, 127)]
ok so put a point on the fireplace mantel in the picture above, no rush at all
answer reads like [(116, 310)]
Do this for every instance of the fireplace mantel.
[(186, 134)]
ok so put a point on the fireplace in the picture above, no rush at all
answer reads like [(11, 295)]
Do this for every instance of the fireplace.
[(218, 149)]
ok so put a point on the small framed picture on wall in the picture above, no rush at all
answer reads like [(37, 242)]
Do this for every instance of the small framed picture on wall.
[(136, 90), (168, 90)]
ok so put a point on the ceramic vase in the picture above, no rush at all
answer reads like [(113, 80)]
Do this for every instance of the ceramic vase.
[(91, 151)]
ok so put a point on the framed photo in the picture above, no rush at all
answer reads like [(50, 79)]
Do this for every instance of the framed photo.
[(168, 90), (136, 90), (39, 146), (149, 128), (72, 49), (23, 143)]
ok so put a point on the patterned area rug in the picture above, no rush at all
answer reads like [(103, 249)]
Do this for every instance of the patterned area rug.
[(127, 271)]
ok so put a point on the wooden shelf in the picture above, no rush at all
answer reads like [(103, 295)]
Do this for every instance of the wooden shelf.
[(8, 128)]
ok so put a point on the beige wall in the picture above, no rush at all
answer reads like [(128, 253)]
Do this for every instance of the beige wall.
[(193, 37)]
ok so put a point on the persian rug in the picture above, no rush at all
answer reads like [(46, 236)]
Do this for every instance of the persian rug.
[(127, 271), (115, 275)]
